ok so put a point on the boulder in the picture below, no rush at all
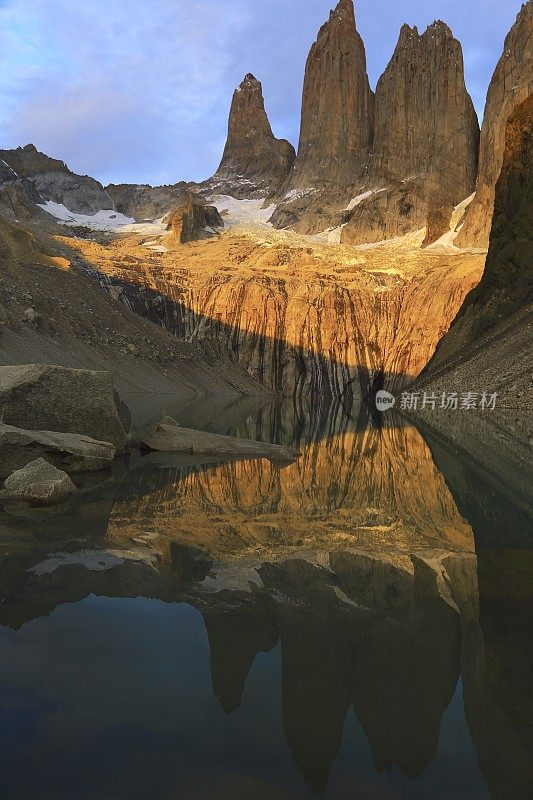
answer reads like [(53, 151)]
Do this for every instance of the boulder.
[(38, 483), (41, 397), (70, 451), (169, 437), (193, 220)]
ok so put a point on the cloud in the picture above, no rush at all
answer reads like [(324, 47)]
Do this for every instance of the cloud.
[(137, 91)]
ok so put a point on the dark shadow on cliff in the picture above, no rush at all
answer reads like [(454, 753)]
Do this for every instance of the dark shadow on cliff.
[(309, 373), (497, 650)]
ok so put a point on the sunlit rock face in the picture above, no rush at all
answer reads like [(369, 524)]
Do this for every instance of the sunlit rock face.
[(511, 84), (298, 316)]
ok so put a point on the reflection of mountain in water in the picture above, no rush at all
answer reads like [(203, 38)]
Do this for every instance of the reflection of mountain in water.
[(371, 487), (356, 559)]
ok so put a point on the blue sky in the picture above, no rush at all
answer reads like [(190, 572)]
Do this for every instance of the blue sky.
[(130, 90)]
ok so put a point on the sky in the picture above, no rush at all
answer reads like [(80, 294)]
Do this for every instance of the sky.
[(137, 91)]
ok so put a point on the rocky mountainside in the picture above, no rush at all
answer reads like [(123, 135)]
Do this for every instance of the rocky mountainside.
[(375, 168), (51, 313), (511, 84), (426, 137), (490, 339), (27, 161), (54, 182), (254, 161), (143, 202)]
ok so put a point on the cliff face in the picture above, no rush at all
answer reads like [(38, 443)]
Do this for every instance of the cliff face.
[(511, 84), (425, 122), (298, 316), (253, 160), (337, 106), (336, 128), (378, 168), (491, 334), (424, 154)]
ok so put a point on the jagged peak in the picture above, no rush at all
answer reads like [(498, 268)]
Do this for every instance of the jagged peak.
[(438, 26), (249, 78), (522, 18), (407, 33), (343, 13), (250, 84)]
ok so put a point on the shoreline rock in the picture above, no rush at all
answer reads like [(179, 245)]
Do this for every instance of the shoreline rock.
[(39, 483), (169, 437)]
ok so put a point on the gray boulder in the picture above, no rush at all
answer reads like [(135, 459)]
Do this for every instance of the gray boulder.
[(69, 451), (41, 397), (169, 437), (39, 483)]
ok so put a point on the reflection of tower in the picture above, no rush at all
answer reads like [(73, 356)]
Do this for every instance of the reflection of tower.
[(236, 636)]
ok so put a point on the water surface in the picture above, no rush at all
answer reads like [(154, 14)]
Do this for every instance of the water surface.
[(357, 624)]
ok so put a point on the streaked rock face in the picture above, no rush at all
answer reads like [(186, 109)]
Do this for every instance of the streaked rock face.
[(408, 155), (337, 106), (425, 122), (299, 317), (511, 84), (253, 160), (424, 155)]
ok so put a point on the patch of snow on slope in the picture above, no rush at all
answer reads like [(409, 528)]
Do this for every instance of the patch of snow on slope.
[(296, 194), (239, 212), (9, 168), (108, 220), (329, 236), (155, 228), (360, 197), (446, 241)]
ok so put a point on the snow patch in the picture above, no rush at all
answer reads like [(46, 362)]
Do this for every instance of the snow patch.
[(155, 228), (9, 168), (330, 235), (446, 241), (360, 197), (93, 560), (238, 212), (296, 194), (107, 220)]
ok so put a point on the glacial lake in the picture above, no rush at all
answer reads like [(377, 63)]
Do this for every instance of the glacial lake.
[(356, 625)]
